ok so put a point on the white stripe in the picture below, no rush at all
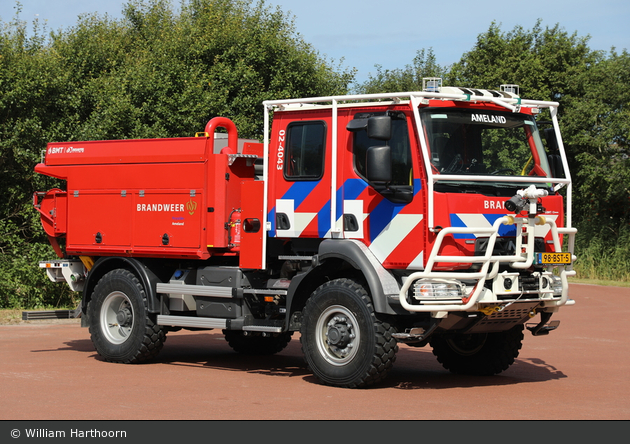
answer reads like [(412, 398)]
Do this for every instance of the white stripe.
[(478, 220), (355, 207), (393, 234), (301, 222), (417, 263), (286, 206), (474, 220)]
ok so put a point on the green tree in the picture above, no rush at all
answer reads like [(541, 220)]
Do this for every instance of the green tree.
[(28, 78), (156, 72), (408, 78), (599, 125), (543, 62)]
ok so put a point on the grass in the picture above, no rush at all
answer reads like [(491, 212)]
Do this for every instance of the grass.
[(607, 283), (605, 259), (10, 317)]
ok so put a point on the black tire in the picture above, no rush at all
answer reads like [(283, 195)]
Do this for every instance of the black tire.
[(121, 328), (255, 343), (481, 354), (343, 342)]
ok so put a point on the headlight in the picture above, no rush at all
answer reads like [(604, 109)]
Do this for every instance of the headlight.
[(437, 290)]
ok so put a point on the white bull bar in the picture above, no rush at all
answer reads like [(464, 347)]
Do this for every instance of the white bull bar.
[(517, 261)]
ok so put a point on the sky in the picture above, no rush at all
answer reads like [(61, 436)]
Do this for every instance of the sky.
[(363, 33)]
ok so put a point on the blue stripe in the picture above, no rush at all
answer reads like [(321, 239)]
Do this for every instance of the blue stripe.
[(504, 230), (417, 186), (381, 216), (384, 212), (352, 188), (457, 222), (339, 203), (271, 217), (323, 220), (300, 191)]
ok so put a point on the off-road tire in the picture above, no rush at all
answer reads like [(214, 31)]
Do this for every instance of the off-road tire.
[(343, 342), (481, 354), (120, 327), (254, 343)]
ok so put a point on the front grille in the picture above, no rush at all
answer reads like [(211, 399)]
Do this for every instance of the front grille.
[(529, 283), (504, 246)]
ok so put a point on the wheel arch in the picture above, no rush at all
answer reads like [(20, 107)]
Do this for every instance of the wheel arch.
[(342, 258), (104, 265)]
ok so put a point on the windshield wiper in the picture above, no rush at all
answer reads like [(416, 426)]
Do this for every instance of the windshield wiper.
[(486, 189)]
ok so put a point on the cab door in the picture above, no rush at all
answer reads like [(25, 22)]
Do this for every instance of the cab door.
[(385, 213), (300, 194)]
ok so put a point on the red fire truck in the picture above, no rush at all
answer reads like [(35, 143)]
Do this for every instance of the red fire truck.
[(440, 217)]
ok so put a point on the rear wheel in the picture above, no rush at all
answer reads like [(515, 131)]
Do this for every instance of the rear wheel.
[(344, 344), (121, 328), (256, 343), (479, 353)]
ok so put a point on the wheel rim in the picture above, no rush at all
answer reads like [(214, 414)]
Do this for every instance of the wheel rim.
[(337, 335), (467, 345), (117, 317)]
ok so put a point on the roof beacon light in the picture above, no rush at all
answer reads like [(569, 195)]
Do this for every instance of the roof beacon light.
[(510, 89), (432, 84)]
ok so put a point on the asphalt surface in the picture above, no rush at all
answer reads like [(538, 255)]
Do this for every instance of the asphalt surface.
[(50, 371)]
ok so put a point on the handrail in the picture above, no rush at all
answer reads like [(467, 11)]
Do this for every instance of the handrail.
[(224, 122)]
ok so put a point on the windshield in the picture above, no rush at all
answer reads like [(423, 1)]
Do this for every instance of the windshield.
[(482, 142)]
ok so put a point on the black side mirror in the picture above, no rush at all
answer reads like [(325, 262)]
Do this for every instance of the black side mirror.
[(379, 127), (378, 164)]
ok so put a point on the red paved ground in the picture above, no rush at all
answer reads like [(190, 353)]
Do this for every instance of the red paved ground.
[(50, 371)]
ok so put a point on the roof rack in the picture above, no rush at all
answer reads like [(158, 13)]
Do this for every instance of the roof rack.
[(507, 97)]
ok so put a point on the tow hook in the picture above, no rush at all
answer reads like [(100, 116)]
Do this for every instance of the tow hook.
[(489, 311), (543, 327)]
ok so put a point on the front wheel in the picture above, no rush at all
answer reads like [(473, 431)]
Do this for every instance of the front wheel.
[(344, 344), (481, 354), (121, 328)]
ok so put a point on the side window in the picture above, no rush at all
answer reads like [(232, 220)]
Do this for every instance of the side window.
[(305, 151), (400, 149)]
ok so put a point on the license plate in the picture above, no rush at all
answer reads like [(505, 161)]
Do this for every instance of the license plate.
[(554, 258)]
